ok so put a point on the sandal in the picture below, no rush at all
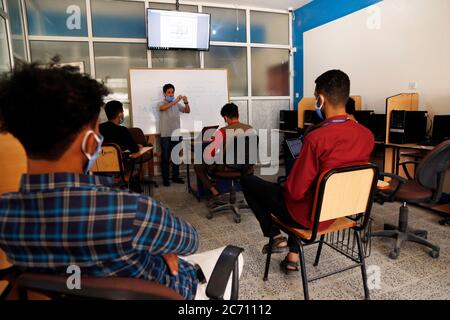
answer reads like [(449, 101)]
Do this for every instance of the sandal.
[(276, 248), (289, 266)]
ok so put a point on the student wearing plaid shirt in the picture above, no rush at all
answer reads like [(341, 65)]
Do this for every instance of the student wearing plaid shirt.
[(62, 216)]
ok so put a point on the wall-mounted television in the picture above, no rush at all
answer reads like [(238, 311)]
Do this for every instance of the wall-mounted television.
[(178, 30)]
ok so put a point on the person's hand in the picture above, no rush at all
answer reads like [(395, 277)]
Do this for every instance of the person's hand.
[(185, 99), (172, 263), (178, 98), (140, 146)]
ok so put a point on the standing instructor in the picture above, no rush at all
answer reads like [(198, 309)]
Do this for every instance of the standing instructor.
[(169, 121)]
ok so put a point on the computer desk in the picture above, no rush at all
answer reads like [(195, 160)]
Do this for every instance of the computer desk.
[(443, 208)]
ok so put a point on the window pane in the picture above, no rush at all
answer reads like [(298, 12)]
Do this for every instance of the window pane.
[(175, 59), (43, 51), (227, 24), (5, 64), (234, 59), (169, 6), (57, 18), (272, 28), (112, 61), (17, 34), (118, 19), (270, 72)]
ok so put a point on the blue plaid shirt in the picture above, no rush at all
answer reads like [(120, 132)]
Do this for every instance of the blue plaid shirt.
[(63, 219)]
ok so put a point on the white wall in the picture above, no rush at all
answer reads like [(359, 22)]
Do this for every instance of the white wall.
[(410, 42)]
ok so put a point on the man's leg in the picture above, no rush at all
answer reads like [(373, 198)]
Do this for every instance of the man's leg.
[(165, 159), (271, 203), (201, 170), (207, 261), (175, 167)]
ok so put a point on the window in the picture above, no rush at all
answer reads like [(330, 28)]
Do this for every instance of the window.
[(118, 19), (270, 72), (5, 63), (170, 6), (269, 28), (17, 33), (175, 59), (227, 24), (112, 61), (234, 59), (57, 18), (43, 51)]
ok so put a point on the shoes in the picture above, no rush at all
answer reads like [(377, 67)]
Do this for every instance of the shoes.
[(276, 248), (178, 180), (166, 183), (288, 266)]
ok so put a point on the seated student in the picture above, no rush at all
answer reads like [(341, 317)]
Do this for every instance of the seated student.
[(113, 132), (350, 108), (336, 142), (61, 216), (230, 114)]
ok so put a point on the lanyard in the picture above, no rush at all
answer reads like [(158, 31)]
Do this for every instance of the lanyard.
[(334, 121)]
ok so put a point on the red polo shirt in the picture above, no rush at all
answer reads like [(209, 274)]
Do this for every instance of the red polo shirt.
[(332, 145)]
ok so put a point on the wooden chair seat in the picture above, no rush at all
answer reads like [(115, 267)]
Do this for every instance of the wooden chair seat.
[(339, 224), (3, 286)]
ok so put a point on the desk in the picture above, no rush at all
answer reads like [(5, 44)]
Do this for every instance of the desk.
[(395, 160), (445, 208), (194, 191)]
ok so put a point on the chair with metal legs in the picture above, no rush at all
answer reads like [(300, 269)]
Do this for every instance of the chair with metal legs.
[(426, 187), (346, 196)]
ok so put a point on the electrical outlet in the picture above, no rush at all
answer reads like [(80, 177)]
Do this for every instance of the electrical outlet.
[(413, 85)]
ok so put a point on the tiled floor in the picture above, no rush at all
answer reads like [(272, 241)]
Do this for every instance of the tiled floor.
[(414, 275)]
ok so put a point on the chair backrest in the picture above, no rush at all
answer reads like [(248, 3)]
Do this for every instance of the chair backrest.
[(431, 170), (55, 286), (13, 163), (242, 155), (138, 136), (109, 159), (4, 263), (344, 192)]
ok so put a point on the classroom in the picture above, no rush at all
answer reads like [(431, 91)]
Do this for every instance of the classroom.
[(224, 150)]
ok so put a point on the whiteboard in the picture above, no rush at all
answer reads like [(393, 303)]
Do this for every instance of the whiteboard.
[(206, 89)]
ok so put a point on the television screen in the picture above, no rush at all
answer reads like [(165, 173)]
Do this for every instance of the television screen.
[(177, 30)]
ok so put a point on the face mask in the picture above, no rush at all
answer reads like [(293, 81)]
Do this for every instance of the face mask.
[(91, 158), (169, 98), (122, 120), (319, 109)]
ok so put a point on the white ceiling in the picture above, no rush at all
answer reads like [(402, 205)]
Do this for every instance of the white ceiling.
[(269, 4)]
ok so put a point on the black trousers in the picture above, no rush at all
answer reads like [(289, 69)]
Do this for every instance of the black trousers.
[(166, 149), (266, 198)]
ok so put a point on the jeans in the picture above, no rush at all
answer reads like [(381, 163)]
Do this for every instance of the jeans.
[(166, 149)]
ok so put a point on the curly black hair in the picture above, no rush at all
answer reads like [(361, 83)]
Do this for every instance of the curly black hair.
[(45, 106)]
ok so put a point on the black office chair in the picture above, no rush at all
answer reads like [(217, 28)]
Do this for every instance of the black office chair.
[(37, 286), (139, 138), (243, 161), (425, 188)]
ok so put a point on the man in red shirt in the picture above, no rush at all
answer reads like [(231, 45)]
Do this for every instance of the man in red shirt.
[(338, 141)]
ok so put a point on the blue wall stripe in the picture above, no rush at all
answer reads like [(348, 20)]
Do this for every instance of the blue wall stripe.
[(313, 15)]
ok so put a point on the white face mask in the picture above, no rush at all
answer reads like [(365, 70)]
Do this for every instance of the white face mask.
[(91, 158)]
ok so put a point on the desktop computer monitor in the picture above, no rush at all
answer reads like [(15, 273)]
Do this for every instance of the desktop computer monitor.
[(288, 120), (441, 128), (364, 117), (311, 118)]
